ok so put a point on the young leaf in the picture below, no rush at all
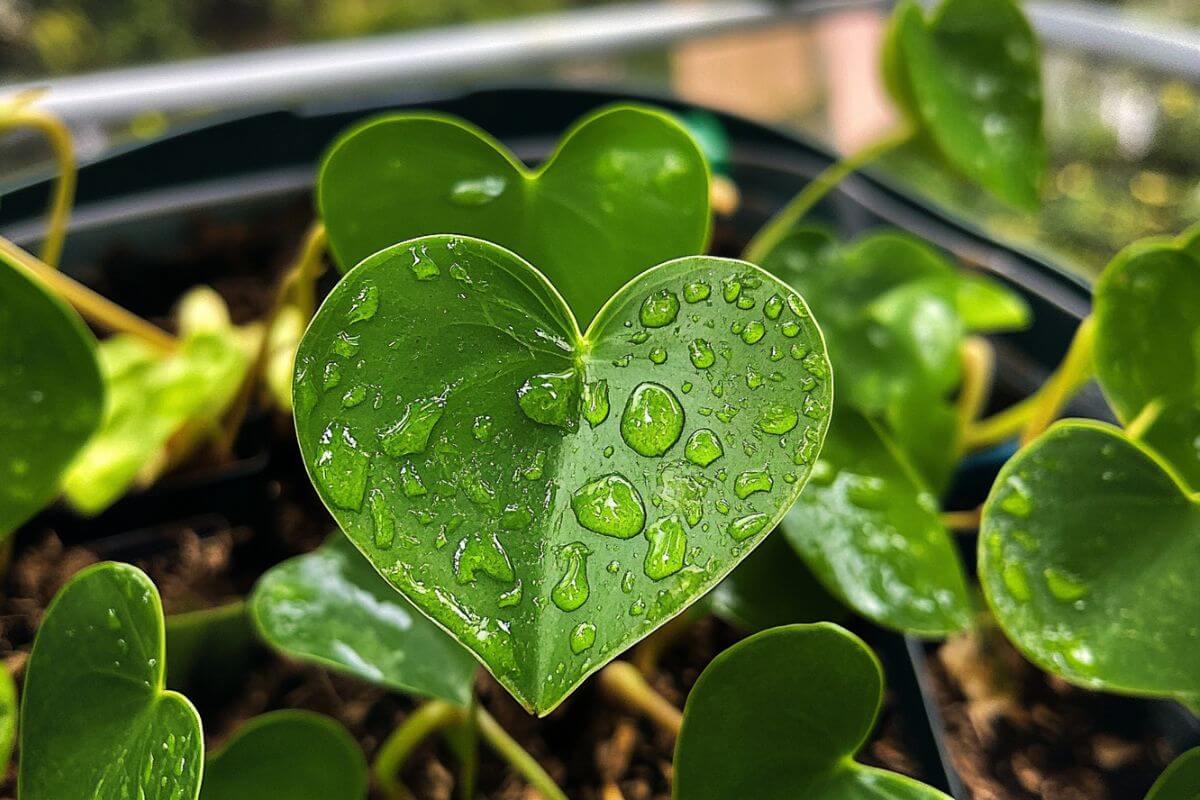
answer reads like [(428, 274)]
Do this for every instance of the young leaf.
[(871, 533), (1180, 781), (51, 396), (551, 496), (332, 608), (780, 715), (296, 755), (969, 79), (1088, 554), (95, 719), (627, 188)]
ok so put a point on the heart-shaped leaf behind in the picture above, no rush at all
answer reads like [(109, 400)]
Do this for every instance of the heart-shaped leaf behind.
[(969, 78), (780, 715), (548, 496), (1180, 781), (331, 607), (1171, 429), (95, 719), (1088, 555), (296, 755), (626, 189), (51, 395)]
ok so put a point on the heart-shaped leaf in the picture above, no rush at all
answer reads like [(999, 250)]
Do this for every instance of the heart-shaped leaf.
[(332, 608), (969, 79), (627, 188), (51, 396), (871, 533), (1171, 429), (296, 755), (780, 715), (1180, 781), (1088, 554), (95, 719), (551, 496)]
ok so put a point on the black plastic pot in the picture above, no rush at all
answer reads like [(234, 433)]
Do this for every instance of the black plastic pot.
[(140, 202)]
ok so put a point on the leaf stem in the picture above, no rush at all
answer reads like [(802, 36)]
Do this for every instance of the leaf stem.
[(468, 768), (791, 214), (517, 757), (1074, 371), (622, 681), (21, 115), (92, 306), (978, 365), (963, 521), (399, 745)]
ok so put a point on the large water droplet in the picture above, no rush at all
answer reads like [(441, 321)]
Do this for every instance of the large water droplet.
[(702, 354), (422, 266), (477, 191), (696, 292), (752, 481), (753, 332), (652, 421), (583, 637), (1017, 501), (610, 505), (341, 468), (572, 591), (411, 482), (549, 398), (1016, 581), (659, 309), (595, 402), (703, 447), (777, 418), (410, 435), (668, 545), (482, 553), (743, 528), (382, 519), (364, 305)]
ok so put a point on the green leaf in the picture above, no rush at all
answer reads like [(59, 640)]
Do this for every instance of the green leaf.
[(969, 79), (629, 468), (209, 648), (988, 306), (780, 716), (1172, 430), (626, 189), (51, 396), (332, 608), (1147, 311), (1181, 780), (1088, 557), (294, 754), (871, 533), (95, 719), (8, 716), (771, 587)]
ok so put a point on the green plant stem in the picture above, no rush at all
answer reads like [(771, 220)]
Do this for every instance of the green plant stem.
[(517, 757), (395, 750), (468, 768), (1074, 371), (962, 521), (93, 307), (978, 365), (622, 681), (790, 215), (23, 115)]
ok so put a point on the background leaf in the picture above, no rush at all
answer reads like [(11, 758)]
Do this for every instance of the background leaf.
[(630, 468), (8, 715), (332, 608), (296, 755), (208, 649), (95, 719), (51, 396), (780, 715), (1181, 780), (626, 189)]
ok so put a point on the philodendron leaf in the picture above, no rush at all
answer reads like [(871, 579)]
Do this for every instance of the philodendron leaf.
[(871, 533), (969, 78), (1088, 554), (51, 395), (627, 188), (95, 719), (550, 496), (780, 715), (331, 607), (296, 755), (1180, 781)]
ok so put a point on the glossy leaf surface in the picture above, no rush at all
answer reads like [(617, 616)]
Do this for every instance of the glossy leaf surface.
[(1181, 780), (551, 496), (626, 189), (1088, 554), (872, 534), (969, 78), (331, 607), (296, 755), (51, 395), (780, 716), (96, 721)]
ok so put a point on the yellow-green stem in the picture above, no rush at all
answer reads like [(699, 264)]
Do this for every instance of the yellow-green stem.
[(978, 365), (395, 750), (962, 521), (790, 215), (622, 681), (1074, 371), (63, 147), (93, 307), (517, 757)]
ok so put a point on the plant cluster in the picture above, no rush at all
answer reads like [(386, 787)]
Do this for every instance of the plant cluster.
[(549, 427)]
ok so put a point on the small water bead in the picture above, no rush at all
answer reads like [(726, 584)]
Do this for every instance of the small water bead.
[(610, 505), (815, 364), (745, 302), (341, 468), (475, 192), (752, 481), (686, 387), (703, 447), (382, 519), (510, 598), (549, 398), (753, 332), (613, 567), (696, 292), (345, 344), (627, 582), (743, 528), (1016, 581), (595, 402), (777, 418), (481, 429), (365, 304), (652, 420), (754, 378), (609, 450), (354, 396), (668, 545), (422, 266), (658, 355), (638, 337), (773, 307), (572, 590), (701, 353), (535, 470), (332, 376), (478, 491), (515, 517), (731, 289), (623, 361), (410, 482), (659, 309), (737, 327), (410, 434), (1017, 501), (583, 637), (1063, 585), (790, 329)]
